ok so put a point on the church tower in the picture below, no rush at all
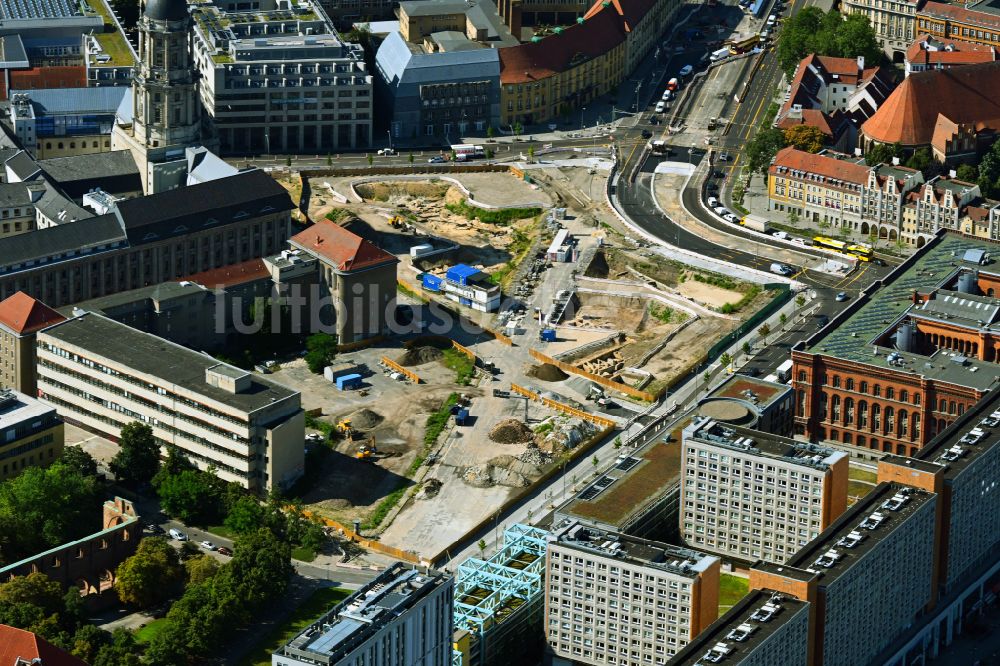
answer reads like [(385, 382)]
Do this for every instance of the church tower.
[(166, 111)]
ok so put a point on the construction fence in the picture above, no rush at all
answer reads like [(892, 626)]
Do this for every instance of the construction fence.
[(784, 294), (603, 381), (350, 534), (409, 374), (562, 407)]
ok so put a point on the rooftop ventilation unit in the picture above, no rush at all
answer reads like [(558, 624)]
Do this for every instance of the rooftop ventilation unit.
[(974, 436), (872, 521), (851, 540), (717, 653), (828, 559), (766, 612), (896, 502), (953, 454), (741, 633)]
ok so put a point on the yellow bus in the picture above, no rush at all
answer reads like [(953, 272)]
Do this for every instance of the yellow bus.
[(859, 251)]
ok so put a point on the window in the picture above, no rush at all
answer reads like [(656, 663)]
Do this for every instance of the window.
[(864, 387)]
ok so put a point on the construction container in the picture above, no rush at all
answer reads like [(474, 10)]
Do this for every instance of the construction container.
[(548, 335), (331, 372), (349, 382), (461, 417), (431, 282), (418, 251)]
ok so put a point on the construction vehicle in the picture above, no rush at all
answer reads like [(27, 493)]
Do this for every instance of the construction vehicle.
[(397, 222), (344, 428), (367, 450)]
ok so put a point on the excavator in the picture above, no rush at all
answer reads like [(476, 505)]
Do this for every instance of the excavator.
[(397, 222), (344, 427), (367, 450)]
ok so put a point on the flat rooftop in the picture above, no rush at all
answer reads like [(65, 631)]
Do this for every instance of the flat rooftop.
[(856, 334), (749, 623), (972, 435), (859, 530), (171, 363), (763, 444), (17, 407), (353, 621), (743, 387), (606, 543), (636, 480)]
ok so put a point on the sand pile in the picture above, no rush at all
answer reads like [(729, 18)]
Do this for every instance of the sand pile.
[(511, 431), (365, 419), (419, 356), (547, 373)]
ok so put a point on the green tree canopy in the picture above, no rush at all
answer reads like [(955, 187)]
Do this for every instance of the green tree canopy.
[(245, 515), (151, 575), (989, 172), (201, 568), (967, 172), (321, 349), (138, 457), (193, 496), (882, 153), (120, 651), (78, 459), (829, 34), (261, 566), (805, 137), (763, 147)]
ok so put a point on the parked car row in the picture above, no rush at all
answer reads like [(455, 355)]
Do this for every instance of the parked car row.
[(178, 535)]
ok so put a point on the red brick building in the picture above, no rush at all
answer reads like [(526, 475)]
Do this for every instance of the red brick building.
[(909, 356)]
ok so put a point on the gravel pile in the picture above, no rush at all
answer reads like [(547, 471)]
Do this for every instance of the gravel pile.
[(488, 475), (511, 431), (419, 356), (535, 456), (365, 419)]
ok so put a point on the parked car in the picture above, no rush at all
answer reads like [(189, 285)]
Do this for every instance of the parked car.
[(729, 217), (772, 19), (841, 297), (686, 70), (646, 134), (207, 545), (177, 534), (155, 529), (720, 210), (718, 174), (437, 159), (660, 108), (222, 550), (724, 157), (386, 151), (666, 95), (713, 202), (822, 320), (781, 269)]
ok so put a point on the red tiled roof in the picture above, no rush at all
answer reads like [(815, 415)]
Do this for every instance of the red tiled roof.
[(959, 14), (963, 95), (602, 30), (23, 314), (962, 53), (813, 117), (227, 276), (346, 250), (799, 160), (17, 643), (631, 11)]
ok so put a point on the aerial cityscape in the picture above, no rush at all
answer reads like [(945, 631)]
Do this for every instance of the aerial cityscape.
[(499, 332)]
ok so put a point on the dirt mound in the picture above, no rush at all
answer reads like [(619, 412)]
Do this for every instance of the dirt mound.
[(419, 356), (429, 489), (365, 419), (488, 475), (547, 373), (511, 431), (535, 456)]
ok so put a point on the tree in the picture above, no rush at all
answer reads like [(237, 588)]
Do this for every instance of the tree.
[(531, 153), (855, 37), (138, 456), (42, 508), (200, 569), (87, 641), (813, 31), (192, 496), (989, 172), (321, 349), (763, 147), (805, 137), (120, 651), (726, 360), (747, 348), (764, 331), (79, 460), (967, 172), (707, 376), (489, 132), (33, 602), (921, 159), (482, 548), (313, 537), (288, 160), (595, 461), (797, 36), (260, 567), (370, 159), (800, 300), (882, 153), (245, 515), (517, 128), (410, 158), (151, 575), (329, 159), (783, 318)]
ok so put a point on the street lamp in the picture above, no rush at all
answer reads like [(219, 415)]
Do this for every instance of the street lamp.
[(388, 133), (583, 110)]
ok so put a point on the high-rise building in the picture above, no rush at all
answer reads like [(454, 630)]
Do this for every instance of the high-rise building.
[(104, 375), (401, 618), (166, 113), (750, 495), (615, 599), (21, 317)]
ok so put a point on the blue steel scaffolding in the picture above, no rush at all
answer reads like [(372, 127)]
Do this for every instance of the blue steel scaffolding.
[(491, 594)]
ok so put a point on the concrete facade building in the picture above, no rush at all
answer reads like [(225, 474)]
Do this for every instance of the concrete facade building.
[(103, 375), (749, 495), (403, 617), (32, 433), (64, 122), (615, 599), (21, 317), (276, 79), (894, 22)]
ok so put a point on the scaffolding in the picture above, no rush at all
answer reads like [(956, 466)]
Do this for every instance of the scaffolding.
[(494, 597)]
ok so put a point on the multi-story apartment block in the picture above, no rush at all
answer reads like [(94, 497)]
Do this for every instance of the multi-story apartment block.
[(103, 375), (978, 23), (749, 495), (280, 80), (149, 240), (764, 628), (908, 356), (615, 599), (894, 22), (940, 203), (840, 191), (21, 317), (929, 52), (403, 617), (31, 433)]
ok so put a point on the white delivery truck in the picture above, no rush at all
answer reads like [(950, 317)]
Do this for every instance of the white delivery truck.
[(721, 54), (784, 371), (757, 223)]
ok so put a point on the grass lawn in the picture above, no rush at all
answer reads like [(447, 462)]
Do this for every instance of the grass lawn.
[(318, 602), (858, 488), (460, 363), (859, 474), (303, 554), (222, 531), (731, 590), (147, 633)]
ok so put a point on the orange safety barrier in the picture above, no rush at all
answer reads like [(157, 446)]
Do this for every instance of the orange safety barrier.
[(465, 350), (377, 546), (562, 407), (603, 381), (398, 368)]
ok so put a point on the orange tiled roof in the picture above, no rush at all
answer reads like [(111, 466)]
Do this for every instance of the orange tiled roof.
[(799, 160), (963, 95), (813, 117), (227, 276), (962, 53), (19, 644), (344, 249), (959, 14), (603, 29), (23, 314)]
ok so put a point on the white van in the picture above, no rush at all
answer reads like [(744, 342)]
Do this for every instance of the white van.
[(781, 269), (713, 202), (772, 19), (660, 107), (177, 534), (686, 70)]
